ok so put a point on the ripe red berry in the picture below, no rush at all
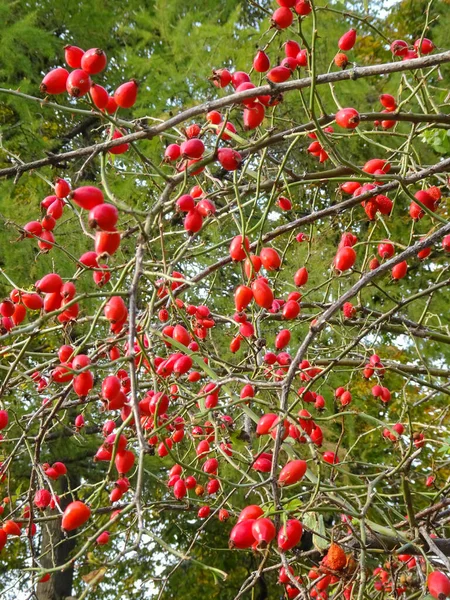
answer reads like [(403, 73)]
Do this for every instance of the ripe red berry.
[(93, 61), (446, 243), (193, 148), (3, 419), (290, 534), (126, 94), (348, 118), (399, 48), (301, 277), (263, 531), (49, 284), (55, 82), (292, 473), (33, 229), (107, 242), (438, 585), (75, 515), (261, 62), (87, 197), (388, 101), (399, 271), (303, 7), (253, 116), (262, 293), (291, 49), (72, 56), (279, 74), (172, 153), (62, 188), (229, 159), (425, 47), (270, 259), (282, 18), (221, 78), (241, 535), (386, 250), (78, 83), (347, 41), (345, 258), (193, 221), (104, 216)]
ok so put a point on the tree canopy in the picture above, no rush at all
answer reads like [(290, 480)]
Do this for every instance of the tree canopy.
[(158, 374)]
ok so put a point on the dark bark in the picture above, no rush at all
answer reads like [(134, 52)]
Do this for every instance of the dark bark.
[(59, 586)]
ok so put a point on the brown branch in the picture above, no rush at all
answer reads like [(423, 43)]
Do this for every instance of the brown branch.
[(320, 214), (236, 98)]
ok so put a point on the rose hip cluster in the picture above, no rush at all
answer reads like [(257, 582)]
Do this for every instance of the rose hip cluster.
[(78, 82)]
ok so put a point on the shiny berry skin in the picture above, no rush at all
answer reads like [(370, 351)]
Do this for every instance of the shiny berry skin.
[(193, 148), (72, 56), (107, 242), (303, 7), (348, 40), (399, 48), (345, 258), (282, 18), (75, 515), (103, 538), (3, 419), (126, 94), (221, 78), (33, 229), (279, 74), (262, 293), (193, 221), (290, 310), (438, 585), (103, 216), (446, 243), (238, 248), (62, 188), (99, 95), (87, 197), (48, 223), (386, 250), (55, 82), (93, 61), (78, 83), (289, 534), (330, 458), (229, 159), (172, 153), (348, 118), (263, 531), (241, 536), (261, 62), (426, 47), (203, 512), (291, 48), (214, 117), (243, 295), (283, 338), (111, 107), (399, 270), (292, 473), (253, 116)]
